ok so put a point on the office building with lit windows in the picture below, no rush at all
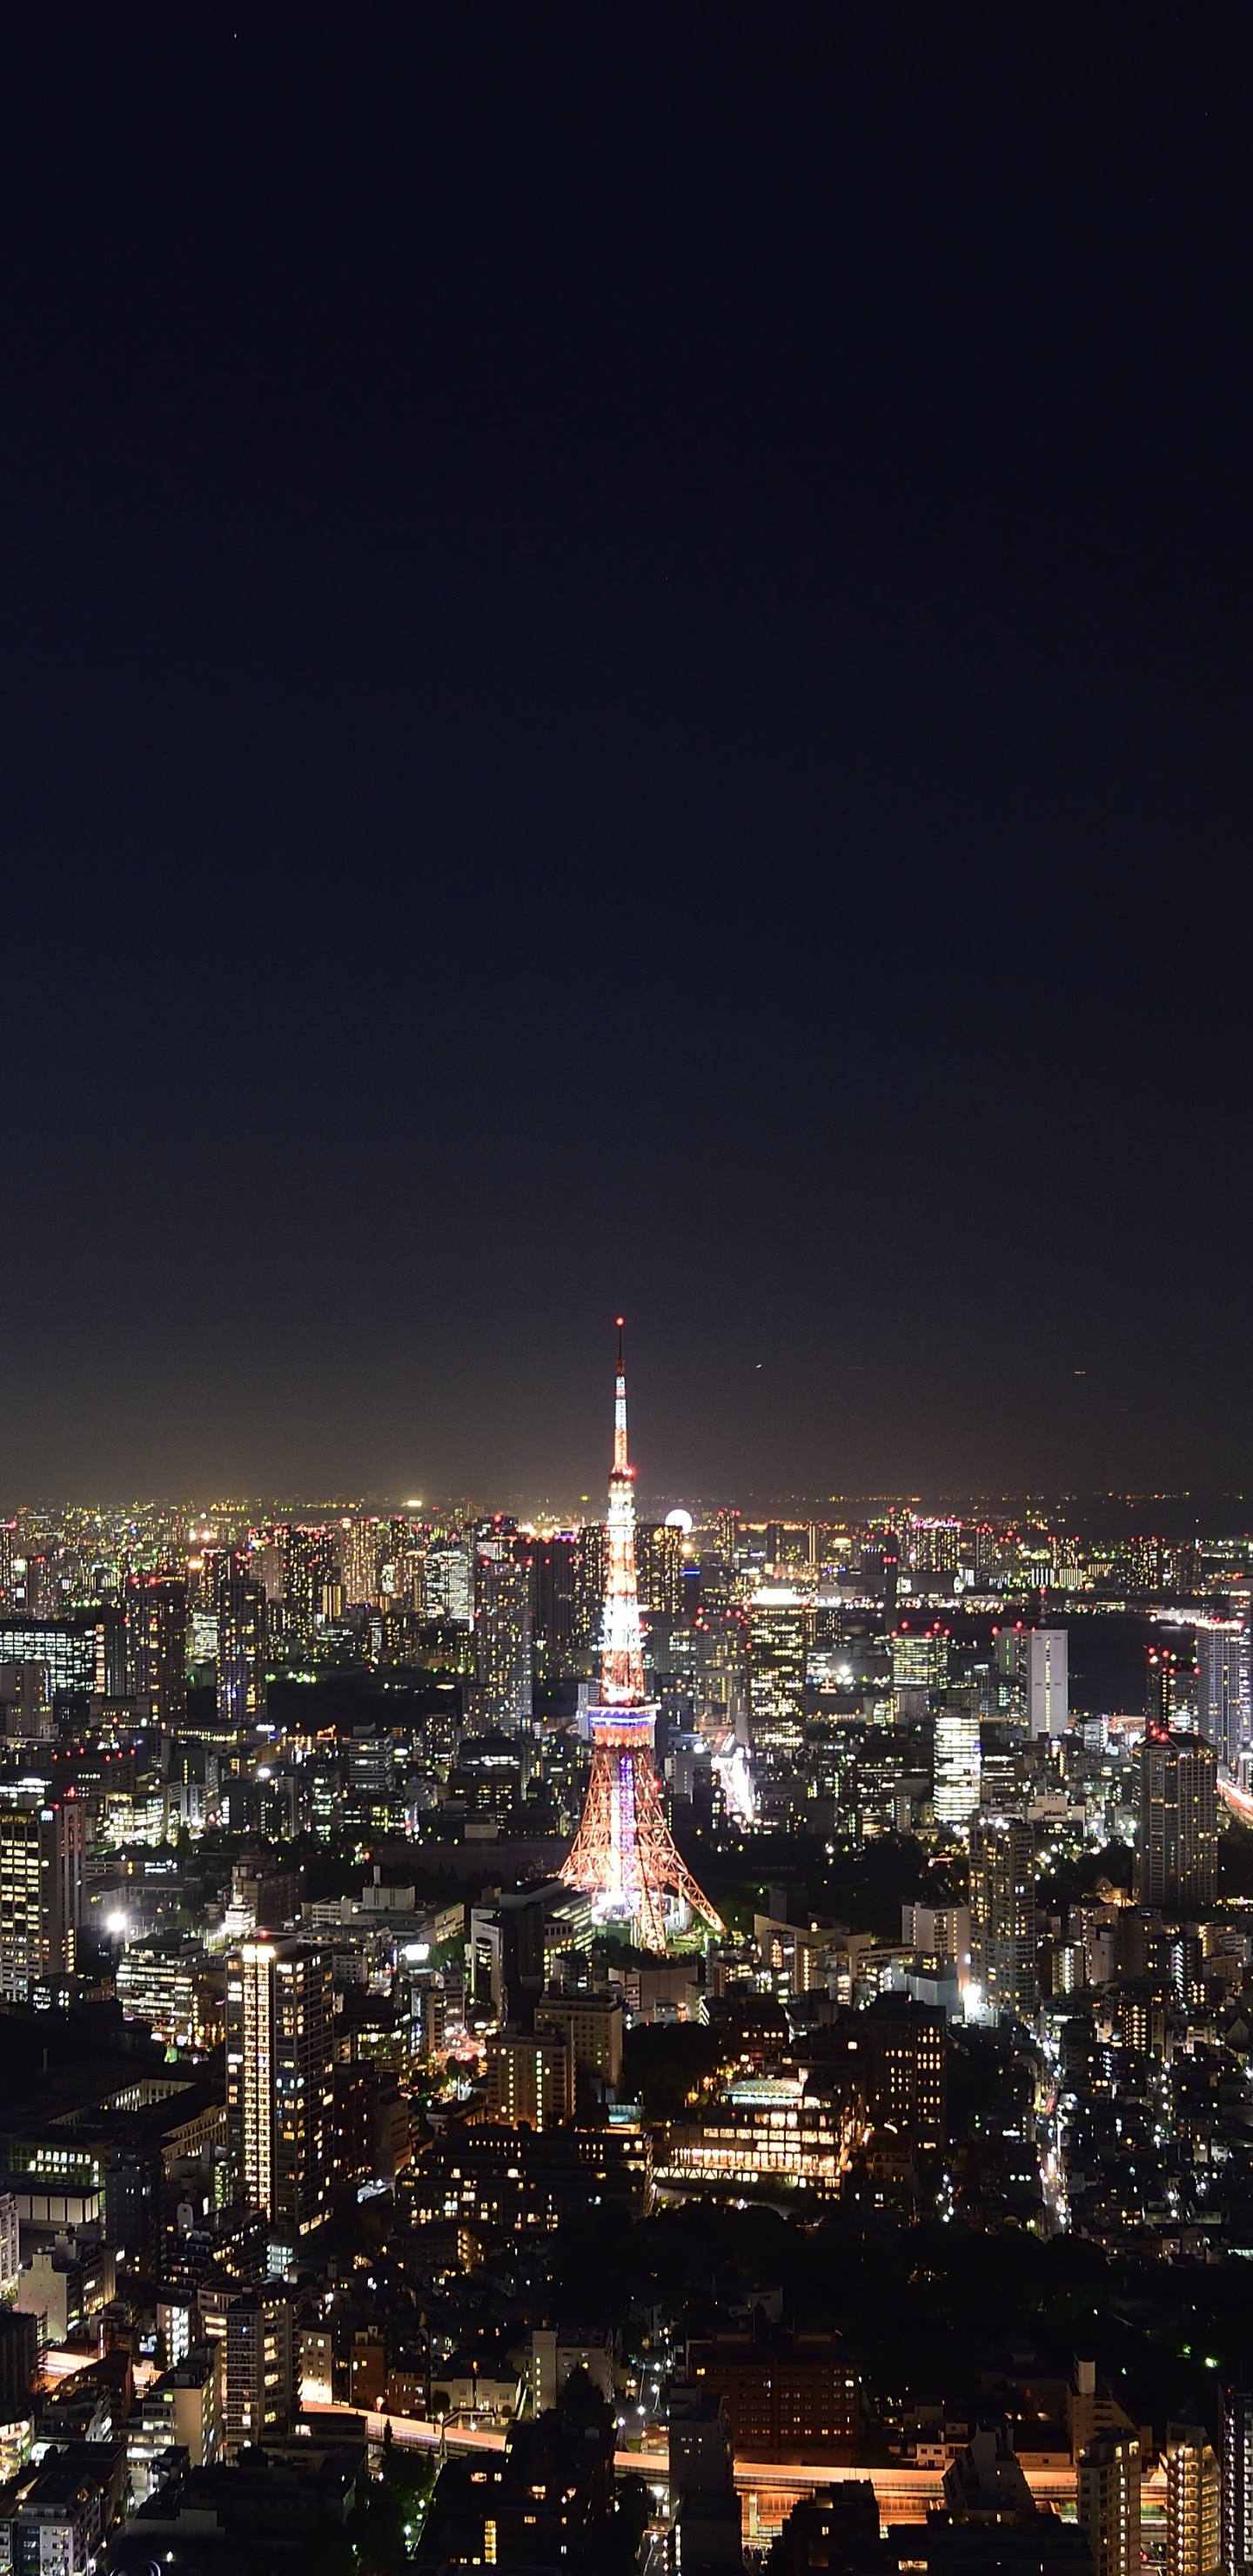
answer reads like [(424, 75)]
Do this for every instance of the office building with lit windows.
[(1236, 2440), (1177, 1849), (1002, 1914), (155, 1611), (448, 1582), (279, 2090), (1224, 1693), (779, 1623), (1109, 2481), (530, 2079), (957, 1760), (659, 1567), (41, 1871), (1193, 2503), (241, 1608), (258, 2392), (84, 1651), (769, 2128), (503, 1665)]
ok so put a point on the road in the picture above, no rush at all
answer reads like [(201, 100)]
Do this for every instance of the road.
[(903, 2494)]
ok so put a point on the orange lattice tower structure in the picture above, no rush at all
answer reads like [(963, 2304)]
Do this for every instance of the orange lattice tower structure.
[(623, 1854)]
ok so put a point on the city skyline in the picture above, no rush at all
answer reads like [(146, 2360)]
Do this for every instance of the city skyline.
[(625, 647)]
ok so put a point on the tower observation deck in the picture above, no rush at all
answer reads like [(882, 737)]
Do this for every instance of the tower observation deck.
[(623, 1855)]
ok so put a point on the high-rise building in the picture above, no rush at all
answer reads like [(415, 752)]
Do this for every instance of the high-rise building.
[(1161, 1684), (26, 1715), (1177, 1851), (279, 2089), (778, 1644), (360, 1543), (589, 1584), (155, 1611), (1002, 1914), (530, 2079), (448, 1582), (1224, 1694), (551, 1560), (955, 1794), (1035, 1665), (41, 1871), (934, 1546), (1193, 2508), (85, 1651), (258, 2379), (311, 1585), (591, 2028), (919, 1659), (241, 1609), (1047, 1683), (503, 1664), (659, 1567), (1108, 2479), (1237, 2481)]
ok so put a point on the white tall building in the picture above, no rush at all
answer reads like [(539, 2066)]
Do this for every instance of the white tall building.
[(957, 1768), (1046, 1679), (448, 1582), (1223, 1691)]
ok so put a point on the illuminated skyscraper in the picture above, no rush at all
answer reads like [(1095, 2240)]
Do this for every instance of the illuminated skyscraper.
[(279, 2093), (1177, 1849), (623, 1855), (1109, 2483), (258, 2381), (1193, 2510), (589, 1583), (311, 1585), (1047, 1681), (448, 1582), (241, 1609), (1002, 1914), (957, 1759), (1161, 1686), (155, 1610), (1237, 2481), (360, 1542), (919, 1659), (502, 1629), (659, 1567), (551, 1560), (779, 1625), (1224, 1713), (1035, 1662), (41, 1870)]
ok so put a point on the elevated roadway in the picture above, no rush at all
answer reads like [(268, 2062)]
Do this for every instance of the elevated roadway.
[(769, 2488)]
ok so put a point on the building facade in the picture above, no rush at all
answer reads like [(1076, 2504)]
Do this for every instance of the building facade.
[(280, 2106)]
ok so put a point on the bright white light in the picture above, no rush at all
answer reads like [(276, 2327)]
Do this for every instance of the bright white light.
[(680, 1520), (116, 1924), (416, 1950)]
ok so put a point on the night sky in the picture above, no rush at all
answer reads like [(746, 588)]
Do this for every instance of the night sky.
[(626, 682)]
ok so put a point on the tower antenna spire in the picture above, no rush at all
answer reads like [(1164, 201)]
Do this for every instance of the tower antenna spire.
[(623, 1855)]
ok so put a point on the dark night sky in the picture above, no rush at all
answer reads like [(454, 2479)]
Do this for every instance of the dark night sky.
[(626, 680)]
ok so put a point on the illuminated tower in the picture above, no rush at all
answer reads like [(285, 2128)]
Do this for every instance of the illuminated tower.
[(623, 1855)]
